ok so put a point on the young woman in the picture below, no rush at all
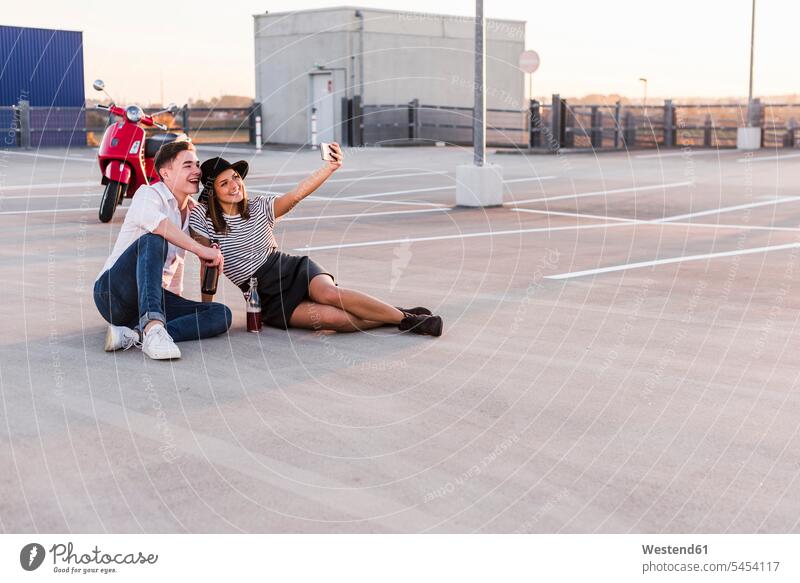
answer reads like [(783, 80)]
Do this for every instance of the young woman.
[(295, 291)]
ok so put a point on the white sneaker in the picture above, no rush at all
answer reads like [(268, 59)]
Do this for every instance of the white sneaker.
[(158, 344), (120, 337)]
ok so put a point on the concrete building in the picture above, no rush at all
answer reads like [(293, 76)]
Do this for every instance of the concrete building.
[(315, 59)]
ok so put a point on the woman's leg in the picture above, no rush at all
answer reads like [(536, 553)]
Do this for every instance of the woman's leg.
[(314, 316), (322, 290)]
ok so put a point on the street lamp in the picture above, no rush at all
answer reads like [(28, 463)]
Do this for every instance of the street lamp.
[(479, 111), (749, 137), (479, 184), (752, 47)]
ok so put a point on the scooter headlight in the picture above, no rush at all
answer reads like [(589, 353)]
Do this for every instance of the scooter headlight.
[(134, 113)]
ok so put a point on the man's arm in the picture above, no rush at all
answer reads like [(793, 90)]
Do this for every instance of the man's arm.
[(208, 255), (286, 202), (148, 210)]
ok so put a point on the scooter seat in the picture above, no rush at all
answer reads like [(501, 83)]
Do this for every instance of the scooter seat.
[(154, 142)]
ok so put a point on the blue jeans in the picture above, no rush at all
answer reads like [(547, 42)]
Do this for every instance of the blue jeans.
[(130, 294)]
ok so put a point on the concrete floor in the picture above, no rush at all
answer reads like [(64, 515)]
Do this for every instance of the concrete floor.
[(661, 397)]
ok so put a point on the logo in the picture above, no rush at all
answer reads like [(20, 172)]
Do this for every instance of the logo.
[(31, 556)]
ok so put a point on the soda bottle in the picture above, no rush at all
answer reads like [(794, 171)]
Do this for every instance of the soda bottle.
[(253, 307), (211, 276)]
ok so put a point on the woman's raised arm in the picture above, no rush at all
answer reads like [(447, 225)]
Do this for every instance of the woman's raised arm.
[(286, 202)]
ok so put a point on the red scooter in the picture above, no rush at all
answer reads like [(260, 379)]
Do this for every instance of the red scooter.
[(126, 154)]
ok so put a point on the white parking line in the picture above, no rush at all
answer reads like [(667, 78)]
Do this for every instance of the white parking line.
[(460, 236), (360, 178), (55, 211), (300, 172), (393, 192), (660, 222), (49, 196), (685, 153), (670, 260), (603, 192), (314, 198), (729, 209), (235, 150), (93, 160), (309, 218), (435, 188), (46, 186), (767, 158), (367, 201), (577, 215), (359, 215), (608, 225), (255, 188)]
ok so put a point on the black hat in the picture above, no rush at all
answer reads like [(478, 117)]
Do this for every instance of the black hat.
[(212, 168)]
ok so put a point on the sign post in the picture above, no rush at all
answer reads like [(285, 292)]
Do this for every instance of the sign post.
[(528, 63)]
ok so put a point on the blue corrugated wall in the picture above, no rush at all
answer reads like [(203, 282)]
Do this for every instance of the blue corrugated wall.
[(45, 67)]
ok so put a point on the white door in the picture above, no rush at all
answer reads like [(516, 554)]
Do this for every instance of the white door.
[(322, 104)]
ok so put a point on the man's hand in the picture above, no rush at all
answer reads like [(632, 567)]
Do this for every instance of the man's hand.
[(337, 158), (210, 256)]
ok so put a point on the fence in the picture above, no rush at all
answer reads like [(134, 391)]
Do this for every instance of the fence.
[(548, 126), (33, 127), (560, 125)]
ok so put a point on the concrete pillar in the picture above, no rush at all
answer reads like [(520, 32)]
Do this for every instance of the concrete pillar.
[(750, 137), (479, 186)]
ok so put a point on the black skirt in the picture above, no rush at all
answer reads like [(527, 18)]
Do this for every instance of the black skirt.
[(282, 284)]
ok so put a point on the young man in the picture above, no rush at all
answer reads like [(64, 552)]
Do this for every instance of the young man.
[(138, 291)]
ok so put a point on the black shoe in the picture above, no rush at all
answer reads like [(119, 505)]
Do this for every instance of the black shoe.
[(418, 311), (422, 324)]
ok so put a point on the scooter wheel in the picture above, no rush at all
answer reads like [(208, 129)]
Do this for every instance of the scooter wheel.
[(114, 192)]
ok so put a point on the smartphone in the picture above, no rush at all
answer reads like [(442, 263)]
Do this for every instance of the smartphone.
[(325, 151)]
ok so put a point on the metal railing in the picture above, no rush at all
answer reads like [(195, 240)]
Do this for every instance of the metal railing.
[(668, 125), (26, 126), (543, 126), (560, 125), (415, 123)]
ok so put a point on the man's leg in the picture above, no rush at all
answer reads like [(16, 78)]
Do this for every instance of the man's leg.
[(119, 291), (190, 320), (151, 253)]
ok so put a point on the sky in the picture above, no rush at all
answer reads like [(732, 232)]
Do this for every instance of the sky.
[(685, 48)]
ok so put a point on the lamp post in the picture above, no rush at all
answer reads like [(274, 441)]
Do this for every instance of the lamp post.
[(478, 119), (752, 51), (479, 184), (749, 137)]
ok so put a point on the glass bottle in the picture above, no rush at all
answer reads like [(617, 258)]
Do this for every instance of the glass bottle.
[(253, 307), (211, 275)]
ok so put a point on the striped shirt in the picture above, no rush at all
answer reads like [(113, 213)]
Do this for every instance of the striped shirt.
[(248, 244)]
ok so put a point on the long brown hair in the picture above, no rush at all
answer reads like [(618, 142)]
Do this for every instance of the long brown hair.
[(214, 211)]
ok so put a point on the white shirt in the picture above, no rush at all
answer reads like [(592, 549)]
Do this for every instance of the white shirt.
[(151, 205)]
